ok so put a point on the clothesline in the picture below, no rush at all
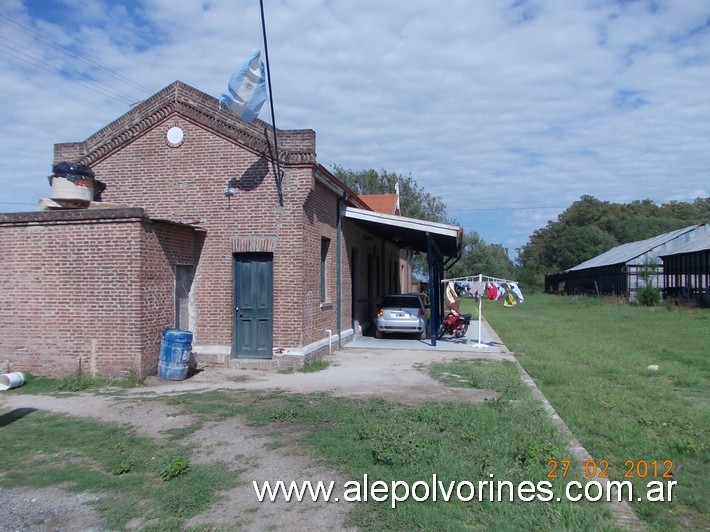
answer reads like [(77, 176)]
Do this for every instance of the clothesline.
[(480, 278)]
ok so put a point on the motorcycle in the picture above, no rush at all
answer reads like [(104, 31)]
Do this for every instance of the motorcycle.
[(455, 324)]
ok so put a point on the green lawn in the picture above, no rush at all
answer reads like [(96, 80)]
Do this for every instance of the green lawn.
[(506, 439), (134, 476), (591, 361)]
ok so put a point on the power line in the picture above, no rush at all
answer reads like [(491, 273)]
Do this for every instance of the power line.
[(544, 207), (36, 59), (71, 75), (16, 203), (482, 209), (71, 53)]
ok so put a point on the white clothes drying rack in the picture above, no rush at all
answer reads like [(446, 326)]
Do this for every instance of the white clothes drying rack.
[(480, 278)]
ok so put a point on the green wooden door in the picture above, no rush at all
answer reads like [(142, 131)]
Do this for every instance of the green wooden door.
[(253, 305)]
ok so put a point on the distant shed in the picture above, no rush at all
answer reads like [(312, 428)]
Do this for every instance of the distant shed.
[(686, 271), (620, 271)]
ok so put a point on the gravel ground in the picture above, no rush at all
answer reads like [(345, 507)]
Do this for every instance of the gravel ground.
[(392, 375)]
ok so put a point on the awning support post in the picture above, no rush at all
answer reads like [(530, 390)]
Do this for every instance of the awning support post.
[(436, 271)]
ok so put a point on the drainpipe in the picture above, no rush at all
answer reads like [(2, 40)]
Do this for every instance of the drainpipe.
[(330, 336), (434, 309)]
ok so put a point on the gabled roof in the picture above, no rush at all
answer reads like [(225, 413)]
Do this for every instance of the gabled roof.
[(296, 147), (382, 203), (702, 243), (626, 253)]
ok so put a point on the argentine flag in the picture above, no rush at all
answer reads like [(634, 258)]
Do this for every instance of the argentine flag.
[(246, 92)]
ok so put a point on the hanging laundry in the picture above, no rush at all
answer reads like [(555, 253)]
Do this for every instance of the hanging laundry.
[(459, 289), (479, 286), (477, 289), (517, 292), (452, 299), (491, 292)]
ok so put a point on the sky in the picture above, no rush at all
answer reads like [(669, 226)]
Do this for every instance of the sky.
[(509, 111)]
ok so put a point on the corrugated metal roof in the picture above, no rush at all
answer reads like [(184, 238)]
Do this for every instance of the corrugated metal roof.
[(626, 253), (409, 232), (702, 243)]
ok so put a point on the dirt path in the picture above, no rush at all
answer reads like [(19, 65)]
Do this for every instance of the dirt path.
[(397, 375), (393, 375)]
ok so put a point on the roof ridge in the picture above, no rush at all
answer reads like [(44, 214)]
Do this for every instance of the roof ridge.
[(201, 108)]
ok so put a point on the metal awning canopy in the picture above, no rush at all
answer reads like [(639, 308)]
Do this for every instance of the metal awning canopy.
[(437, 240), (409, 232)]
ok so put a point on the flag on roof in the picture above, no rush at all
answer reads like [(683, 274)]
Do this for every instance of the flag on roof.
[(246, 92)]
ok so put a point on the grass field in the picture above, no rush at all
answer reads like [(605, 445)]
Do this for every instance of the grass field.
[(136, 477), (508, 439), (591, 361)]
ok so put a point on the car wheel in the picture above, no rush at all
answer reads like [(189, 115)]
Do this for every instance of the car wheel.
[(378, 333), (423, 334), (442, 330)]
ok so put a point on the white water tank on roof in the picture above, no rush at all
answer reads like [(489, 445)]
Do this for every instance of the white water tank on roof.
[(72, 181)]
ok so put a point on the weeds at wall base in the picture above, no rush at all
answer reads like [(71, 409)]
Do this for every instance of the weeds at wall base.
[(73, 383)]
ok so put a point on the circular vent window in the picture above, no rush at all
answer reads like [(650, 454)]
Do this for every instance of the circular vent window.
[(175, 136)]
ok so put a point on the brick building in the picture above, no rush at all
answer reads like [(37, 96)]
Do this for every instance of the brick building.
[(196, 230)]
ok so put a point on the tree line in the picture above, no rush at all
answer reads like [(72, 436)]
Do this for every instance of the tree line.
[(584, 230), (590, 227)]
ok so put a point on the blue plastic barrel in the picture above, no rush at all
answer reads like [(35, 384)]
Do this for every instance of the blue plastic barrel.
[(175, 354)]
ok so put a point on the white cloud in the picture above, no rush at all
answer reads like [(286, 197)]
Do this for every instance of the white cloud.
[(526, 105)]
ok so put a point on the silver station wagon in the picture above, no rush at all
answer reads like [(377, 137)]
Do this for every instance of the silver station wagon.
[(402, 313)]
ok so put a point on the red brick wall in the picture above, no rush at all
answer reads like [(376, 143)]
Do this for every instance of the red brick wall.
[(163, 246), (86, 284), (186, 184), (132, 299), (320, 212)]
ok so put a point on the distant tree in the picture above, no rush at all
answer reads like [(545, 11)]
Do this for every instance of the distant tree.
[(648, 295), (590, 227), (586, 211), (536, 257), (574, 244), (479, 257), (702, 209), (641, 208), (643, 227), (680, 210), (414, 201)]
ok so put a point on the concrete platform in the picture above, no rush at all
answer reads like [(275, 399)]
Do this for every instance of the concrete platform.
[(470, 343)]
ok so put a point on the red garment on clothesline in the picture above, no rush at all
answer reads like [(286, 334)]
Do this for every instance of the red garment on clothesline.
[(491, 292)]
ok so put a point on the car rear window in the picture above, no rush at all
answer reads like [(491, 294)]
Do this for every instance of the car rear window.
[(401, 301)]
